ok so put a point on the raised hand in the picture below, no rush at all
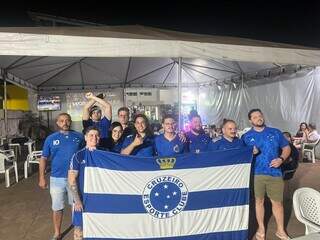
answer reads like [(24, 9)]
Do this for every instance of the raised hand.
[(89, 95)]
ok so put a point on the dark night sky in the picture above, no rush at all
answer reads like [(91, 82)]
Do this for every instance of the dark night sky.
[(287, 22)]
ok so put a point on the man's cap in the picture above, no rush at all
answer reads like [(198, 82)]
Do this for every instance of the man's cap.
[(94, 108)]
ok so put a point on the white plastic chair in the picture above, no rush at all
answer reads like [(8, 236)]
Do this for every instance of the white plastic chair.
[(310, 148), (8, 162), (32, 158), (306, 205)]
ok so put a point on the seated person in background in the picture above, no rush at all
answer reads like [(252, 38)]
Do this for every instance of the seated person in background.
[(310, 135), (219, 132), (213, 131), (169, 143), (228, 140), (196, 138), (114, 143), (291, 163), (99, 116), (303, 127), (141, 143)]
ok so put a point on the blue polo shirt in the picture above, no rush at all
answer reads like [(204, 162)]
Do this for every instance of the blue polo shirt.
[(78, 163), (146, 149), (60, 147), (222, 143), (269, 142), (103, 125), (164, 147), (198, 143)]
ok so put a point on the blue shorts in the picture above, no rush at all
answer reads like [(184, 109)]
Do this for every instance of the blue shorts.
[(59, 192)]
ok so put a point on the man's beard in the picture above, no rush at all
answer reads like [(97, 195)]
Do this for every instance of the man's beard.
[(259, 125), (198, 131)]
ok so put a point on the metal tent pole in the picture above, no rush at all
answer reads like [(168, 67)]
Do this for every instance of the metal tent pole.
[(179, 91), (5, 106)]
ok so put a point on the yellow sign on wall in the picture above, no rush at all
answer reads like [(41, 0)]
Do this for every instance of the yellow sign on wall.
[(17, 98)]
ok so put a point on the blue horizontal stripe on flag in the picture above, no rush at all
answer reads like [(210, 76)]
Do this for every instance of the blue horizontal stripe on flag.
[(116, 203), (119, 162), (231, 235)]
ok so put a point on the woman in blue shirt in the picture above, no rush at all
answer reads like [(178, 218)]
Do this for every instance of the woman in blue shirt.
[(141, 143), (114, 143)]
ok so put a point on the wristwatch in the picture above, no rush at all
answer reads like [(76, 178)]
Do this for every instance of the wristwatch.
[(281, 158)]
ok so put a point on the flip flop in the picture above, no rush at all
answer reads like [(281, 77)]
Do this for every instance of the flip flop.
[(56, 238), (260, 236), (282, 237)]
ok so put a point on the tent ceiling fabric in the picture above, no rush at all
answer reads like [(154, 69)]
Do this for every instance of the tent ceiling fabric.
[(66, 73), (139, 41), (62, 58)]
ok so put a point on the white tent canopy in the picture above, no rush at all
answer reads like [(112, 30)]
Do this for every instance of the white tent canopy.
[(76, 58), (79, 57)]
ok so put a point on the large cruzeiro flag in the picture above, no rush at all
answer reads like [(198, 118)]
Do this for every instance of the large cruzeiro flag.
[(192, 196)]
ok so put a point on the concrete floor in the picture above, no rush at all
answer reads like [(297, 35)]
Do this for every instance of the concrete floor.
[(25, 209)]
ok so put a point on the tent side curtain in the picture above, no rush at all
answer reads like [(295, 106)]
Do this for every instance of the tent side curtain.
[(285, 103)]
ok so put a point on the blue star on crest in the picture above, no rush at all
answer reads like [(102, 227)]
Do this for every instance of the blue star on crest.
[(165, 196)]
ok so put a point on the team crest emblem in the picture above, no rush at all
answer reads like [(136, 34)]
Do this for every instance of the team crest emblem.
[(165, 196), (166, 163), (176, 148)]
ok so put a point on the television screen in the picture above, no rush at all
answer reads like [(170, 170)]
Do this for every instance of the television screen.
[(49, 103)]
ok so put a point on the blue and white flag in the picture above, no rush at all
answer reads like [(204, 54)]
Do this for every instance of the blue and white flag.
[(192, 196)]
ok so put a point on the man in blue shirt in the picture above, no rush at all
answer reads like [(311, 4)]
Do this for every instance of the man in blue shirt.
[(76, 177), (198, 140), (169, 143), (267, 172), (97, 115), (228, 140), (59, 146), (141, 143)]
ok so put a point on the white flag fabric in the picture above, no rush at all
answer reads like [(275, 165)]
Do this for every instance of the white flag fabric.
[(192, 196)]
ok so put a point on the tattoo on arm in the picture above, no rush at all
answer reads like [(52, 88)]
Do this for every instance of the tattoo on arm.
[(75, 192)]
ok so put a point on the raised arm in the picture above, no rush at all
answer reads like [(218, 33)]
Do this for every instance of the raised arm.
[(87, 106), (105, 106)]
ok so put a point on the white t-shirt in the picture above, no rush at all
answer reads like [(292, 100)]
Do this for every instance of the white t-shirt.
[(313, 136)]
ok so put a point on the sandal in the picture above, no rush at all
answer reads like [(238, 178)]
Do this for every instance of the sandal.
[(281, 237), (260, 236), (56, 238)]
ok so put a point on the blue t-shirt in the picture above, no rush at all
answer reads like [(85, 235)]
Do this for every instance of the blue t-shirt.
[(103, 125), (60, 147), (78, 163), (112, 146), (222, 143), (146, 149), (198, 143), (164, 147), (269, 142)]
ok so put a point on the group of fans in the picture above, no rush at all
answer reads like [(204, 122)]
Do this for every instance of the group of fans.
[(66, 149)]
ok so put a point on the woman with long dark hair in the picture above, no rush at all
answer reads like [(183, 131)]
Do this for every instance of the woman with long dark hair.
[(302, 129), (141, 142), (114, 142)]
